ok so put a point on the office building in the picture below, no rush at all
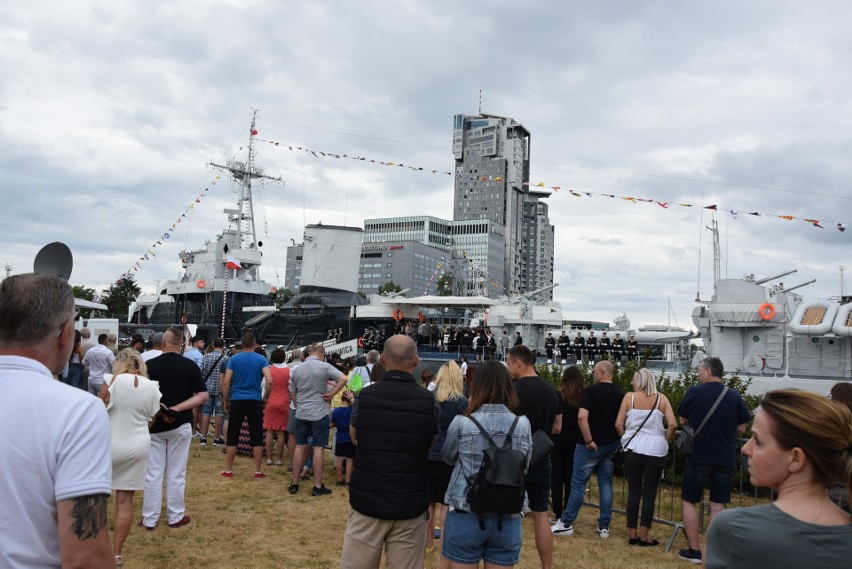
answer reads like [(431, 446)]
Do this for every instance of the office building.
[(492, 171)]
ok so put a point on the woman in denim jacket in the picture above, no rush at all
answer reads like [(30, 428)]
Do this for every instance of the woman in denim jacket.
[(492, 397)]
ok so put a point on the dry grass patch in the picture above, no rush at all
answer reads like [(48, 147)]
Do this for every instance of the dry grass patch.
[(246, 523)]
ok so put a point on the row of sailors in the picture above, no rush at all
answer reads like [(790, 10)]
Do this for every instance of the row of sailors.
[(590, 347)]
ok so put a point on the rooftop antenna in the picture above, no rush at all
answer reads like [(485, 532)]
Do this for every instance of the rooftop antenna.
[(8, 270), (480, 101), (842, 283)]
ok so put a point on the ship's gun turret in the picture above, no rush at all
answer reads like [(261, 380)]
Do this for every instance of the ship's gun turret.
[(767, 279), (788, 289), (533, 293)]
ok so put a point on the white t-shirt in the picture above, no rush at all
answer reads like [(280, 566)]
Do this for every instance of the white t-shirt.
[(150, 354), (100, 360), (55, 445)]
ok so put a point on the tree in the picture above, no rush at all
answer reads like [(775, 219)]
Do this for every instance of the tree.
[(389, 287), (119, 295), (283, 296), (445, 285), (84, 293)]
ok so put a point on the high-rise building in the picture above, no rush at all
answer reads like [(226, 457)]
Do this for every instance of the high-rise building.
[(499, 242), (492, 172)]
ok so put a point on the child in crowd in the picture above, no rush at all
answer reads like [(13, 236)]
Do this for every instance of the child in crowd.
[(344, 450), (426, 379)]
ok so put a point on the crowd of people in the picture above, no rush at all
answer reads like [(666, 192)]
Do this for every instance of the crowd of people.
[(422, 458)]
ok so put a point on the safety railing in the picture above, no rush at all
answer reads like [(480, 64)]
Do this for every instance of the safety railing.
[(667, 507)]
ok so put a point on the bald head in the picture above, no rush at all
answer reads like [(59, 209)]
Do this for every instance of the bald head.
[(400, 353), (603, 372)]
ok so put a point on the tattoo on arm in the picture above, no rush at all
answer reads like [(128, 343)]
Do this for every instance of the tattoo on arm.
[(89, 514)]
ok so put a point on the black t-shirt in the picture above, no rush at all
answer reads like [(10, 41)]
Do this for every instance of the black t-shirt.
[(539, 402), (570, 433), (179, 378), (716, 444), (602, 401)]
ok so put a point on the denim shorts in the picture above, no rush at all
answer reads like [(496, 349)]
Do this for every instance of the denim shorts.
[(465, 542), (317, 429), (213, 406), (695, 477)]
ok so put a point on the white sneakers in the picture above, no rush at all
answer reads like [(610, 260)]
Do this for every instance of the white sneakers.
[(559, 528)]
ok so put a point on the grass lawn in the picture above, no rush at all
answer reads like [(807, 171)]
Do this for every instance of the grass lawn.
[(243, 522)]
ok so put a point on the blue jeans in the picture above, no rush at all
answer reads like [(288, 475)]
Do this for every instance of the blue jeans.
[(587, 462)]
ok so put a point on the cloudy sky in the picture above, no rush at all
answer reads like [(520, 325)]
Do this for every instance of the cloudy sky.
[(110, 111)]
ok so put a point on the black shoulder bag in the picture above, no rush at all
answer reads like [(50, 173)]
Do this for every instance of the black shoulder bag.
[(618, 458)]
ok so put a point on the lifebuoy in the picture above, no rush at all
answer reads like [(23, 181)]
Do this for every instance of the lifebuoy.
[(183, 319), (360, 341), (397, 314), (420, 316), (200, 283), (766, 311)]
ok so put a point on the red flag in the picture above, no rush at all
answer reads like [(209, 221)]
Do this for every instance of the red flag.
[(254, 132), (232, 263)]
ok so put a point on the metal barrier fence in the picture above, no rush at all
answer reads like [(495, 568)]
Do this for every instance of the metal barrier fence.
[(668, 504)]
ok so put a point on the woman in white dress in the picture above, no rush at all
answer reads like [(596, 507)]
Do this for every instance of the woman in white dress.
[(132, 400)]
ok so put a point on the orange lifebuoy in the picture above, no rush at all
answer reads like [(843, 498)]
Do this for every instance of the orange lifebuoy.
[(200, 283), (766, 311), (361, 341), (397, 314), (420, 316)]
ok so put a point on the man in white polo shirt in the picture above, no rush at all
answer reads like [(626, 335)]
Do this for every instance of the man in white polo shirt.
[(56, 477)]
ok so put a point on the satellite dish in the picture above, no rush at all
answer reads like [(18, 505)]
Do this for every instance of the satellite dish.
[(54, 259)]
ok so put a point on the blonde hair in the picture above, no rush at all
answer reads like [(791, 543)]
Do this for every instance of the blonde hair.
[(646, 382), (449, 383), (129, 360), (813, 423)]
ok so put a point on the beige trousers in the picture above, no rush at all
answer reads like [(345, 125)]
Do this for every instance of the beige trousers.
[(403, 541)]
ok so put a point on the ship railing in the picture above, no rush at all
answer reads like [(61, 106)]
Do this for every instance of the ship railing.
[(668, 504)]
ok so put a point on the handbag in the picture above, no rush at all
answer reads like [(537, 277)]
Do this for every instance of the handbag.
[(618, 458), (685, 441), (541, 447)]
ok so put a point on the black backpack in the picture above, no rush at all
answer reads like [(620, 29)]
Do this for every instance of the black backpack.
[(498, 487)]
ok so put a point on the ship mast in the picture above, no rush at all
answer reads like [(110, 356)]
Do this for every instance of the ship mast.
[(717, 256), (243, 173)]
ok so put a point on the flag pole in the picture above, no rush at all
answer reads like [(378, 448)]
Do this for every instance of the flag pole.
[(224, 304)]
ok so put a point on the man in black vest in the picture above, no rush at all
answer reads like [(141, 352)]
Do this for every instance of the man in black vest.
[(394, 424)]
